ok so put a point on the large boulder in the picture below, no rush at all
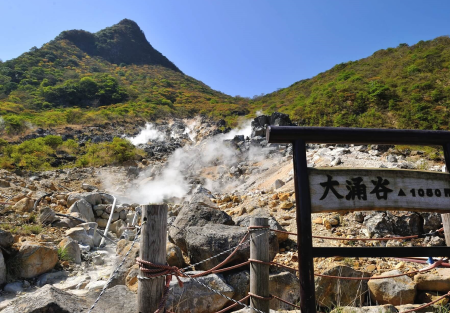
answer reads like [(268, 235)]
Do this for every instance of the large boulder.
[(6, 239), (408, 224), (34, 259), (395, 291), (240, 281), (211, 239), (280, 119), (286, 286), (439, 281), (48, 299), (83, 207), (332, 292), (195, 214), (70, 250), (194, 298), (379, 225)]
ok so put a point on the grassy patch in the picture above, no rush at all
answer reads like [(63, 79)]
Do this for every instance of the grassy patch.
[(63, 254), (42, 153), (23, 230)]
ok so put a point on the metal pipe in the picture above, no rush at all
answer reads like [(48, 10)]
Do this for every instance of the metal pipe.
[(102, 242), (136, 216)]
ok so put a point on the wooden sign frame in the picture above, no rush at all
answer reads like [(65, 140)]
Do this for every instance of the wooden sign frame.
[(299, 137)]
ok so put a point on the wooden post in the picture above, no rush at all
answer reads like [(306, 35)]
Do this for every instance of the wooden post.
[(446, 217), (259, 273), (152, 249), (304, 229)]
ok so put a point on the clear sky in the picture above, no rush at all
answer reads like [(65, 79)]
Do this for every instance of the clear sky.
[(240, 47)]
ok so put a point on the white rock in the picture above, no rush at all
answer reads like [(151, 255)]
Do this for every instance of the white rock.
[(96, 285), (14, 287)]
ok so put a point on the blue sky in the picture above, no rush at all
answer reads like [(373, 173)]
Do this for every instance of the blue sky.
[(240, 47)]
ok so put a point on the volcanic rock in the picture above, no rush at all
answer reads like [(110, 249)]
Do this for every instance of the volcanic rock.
[(83, 207), (211, 239), (195, 214), (35, 259), (193, 298), (329, 290), (395, 291)]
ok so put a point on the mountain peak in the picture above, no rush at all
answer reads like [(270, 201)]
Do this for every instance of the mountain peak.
[(128, 22), (123, 42)]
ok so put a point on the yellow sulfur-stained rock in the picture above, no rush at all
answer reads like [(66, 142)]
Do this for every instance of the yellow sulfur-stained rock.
[(35, 259), (131, 281), (23, 206), (286, 205), (273, 204)]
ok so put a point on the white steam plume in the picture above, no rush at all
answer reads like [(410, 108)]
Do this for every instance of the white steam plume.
[(186, 164), (243, 129), (173, 181), (146, 134)]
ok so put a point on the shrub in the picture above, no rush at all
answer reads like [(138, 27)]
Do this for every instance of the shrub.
[(53, 141)]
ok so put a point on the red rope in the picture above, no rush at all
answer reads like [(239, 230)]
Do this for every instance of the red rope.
[(270, 297), (272, 263), (296, 306)]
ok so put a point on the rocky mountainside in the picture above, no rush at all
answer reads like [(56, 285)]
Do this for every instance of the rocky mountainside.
[(52, 224), (124, 42)]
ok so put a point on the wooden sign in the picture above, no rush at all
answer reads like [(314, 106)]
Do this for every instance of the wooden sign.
[(334, 190)]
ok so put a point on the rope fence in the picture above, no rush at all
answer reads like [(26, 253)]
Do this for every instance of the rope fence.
[(151, 270)]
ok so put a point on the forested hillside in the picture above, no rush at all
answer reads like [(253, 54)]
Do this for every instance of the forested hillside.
[(115, 74), (85, 78), (403, 87)]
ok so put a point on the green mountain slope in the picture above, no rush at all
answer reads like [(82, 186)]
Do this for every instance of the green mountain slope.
[(114, 74), (403, 87)]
